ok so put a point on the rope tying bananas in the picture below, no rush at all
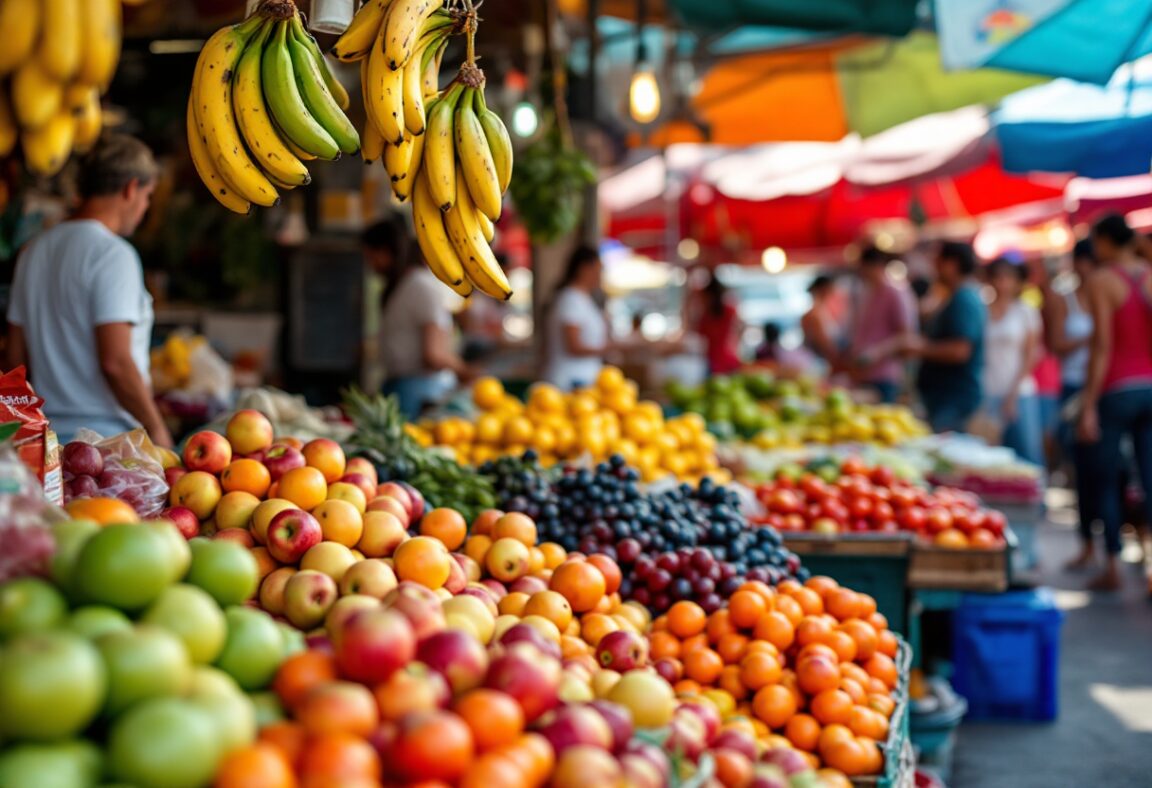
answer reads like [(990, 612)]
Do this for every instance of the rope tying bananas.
[(263, 102), (443, 148), (57, 59)]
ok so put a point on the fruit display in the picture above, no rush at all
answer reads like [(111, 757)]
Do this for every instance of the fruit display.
[(134, 661), (852, 497), (118, 468), (58, 59), (264, 101), (443, 148), (773, 413), (593, 423)]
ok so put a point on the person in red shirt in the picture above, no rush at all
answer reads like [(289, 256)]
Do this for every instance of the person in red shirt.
[(719, 324)]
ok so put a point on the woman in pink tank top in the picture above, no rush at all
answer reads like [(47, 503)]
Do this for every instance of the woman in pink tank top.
[(1117, 399)]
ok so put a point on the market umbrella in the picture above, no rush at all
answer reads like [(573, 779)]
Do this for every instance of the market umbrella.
[(1085, 40), (879, 17)]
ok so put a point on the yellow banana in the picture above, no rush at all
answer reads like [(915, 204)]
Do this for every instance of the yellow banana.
[(371, 143), (403, 164), (432, 237), (207, 171), (101, 30), (486, 226), (402, 28), (9, 131), (384, 93), (476, 160), (439, 149), (36, 96), (47, 148), (476, 256), (89, 120), (212, 93), (430, 77), (413, 98), (362, 33), (20, 21), (499, 143), (60, 38)]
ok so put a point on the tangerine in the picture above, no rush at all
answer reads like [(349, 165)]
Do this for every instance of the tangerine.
[(300, 673), (821, 584), (732, 682), (287, 736), (482, 525), (515, 525), (325, 455), (432, 745), (816, 674), (831, 706), (476, 547), (306, 487), (759, 670), (887, 643), (686, 618), (842, 644), (775, 628), (423, 560), (703, 666), (855, 690), (803, 730), (812, 630), (774, 705), (719, 625), (259, 765), (867, 722), (732, 647), (246, 475), (581, 583), (733, 769), (340, 756), (881, 666), (554, 554), (745, 608), (849, 756), (338, 706), (610, 569), (842, 604), (552, 606), (513, 604), (339, 522), (102, 510), (663, 645), (809, 601), (594, 626), (881, 702), (864, 635), (447, 525), (833, 734), (790, 608), (495, 718)]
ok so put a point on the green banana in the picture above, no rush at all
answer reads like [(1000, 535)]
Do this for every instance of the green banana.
[(498, 141), (287, 105), (333, 84), (320, 102), (476, 159)]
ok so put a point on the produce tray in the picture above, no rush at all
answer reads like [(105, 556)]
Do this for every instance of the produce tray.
[(939, 568), (899, 757), (851, 545)]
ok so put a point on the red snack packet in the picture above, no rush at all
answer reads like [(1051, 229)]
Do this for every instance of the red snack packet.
[(35, 442)]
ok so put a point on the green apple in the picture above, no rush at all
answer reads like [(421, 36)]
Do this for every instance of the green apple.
[(194, 617), (66, 764), (293, 638), (267, 706), (70, 536), (144, 662), (29, 604), (52, 684), (179, 552), (225, 570), (254, 648), (92, 621), (125, 566), (164, 743), (232, 714)]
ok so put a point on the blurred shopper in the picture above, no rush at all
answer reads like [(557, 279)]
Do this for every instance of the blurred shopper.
[(420, 364), (884, 315), (1117, 398), (482, 323), (821, 330), (720, 326), (787, 361), (952, 347), (576, 330), (1012, 350), (79, 316)]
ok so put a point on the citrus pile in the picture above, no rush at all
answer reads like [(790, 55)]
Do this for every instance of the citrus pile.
[(597, 422)]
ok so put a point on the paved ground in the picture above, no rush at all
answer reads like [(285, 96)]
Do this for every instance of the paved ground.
[(1103, 736)]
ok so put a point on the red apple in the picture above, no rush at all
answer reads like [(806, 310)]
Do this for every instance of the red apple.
[(470, 567), (653, 754), (496, 587), (524, 633), (789, 760), (419, 605), (622, 650), (280, 459), (207, 451), (457, 580), (383, 533), (272, 589), (375, 643), (308, 596), (529, 585), (199, 491), (456, 655), (366, 485), (640, 773), (571, 725), (415, 687), (399, 494), (364, 467), (291, 534), (386, 503), (484, 596), (241, 536), (418, 504), (619, 719), (529, 676), (249, 431), (686, 736), (736, 740), (707, 714), (184, 519), (172, 475), (669, 669)]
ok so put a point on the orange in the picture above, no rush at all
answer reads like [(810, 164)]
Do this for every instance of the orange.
[(494, 717), (732, 647), (849, 756), (864, 635), (831, 706), (513, 603), (745, 608), (775, 628), (821, 584), (286, 736), (809, 601), (432, 745), (732, 683), (105, 511), (803, 731), (255, 766), (340, 522), (339, 706), (305, 487), (812, 630), (476, 547), (843, 644), (326, 456), (887, 643), (572, 647), (703, 666), (812, 649), (686, 618), (447, 525), (494, 768), (554, 554), (663, 644), (881, 666), (535, 561), (850, 670), (733, 769), (719, 625), (876, 685), (833, 734), (515, 525), (763, 589), (830, 778), (774, 705), (878, 621), (552, 606), (338, 756), (868, 722), (759, 670), (484, 521), (610, 569), (855, 691), (302, 672), (694, 643), (536, 756), (881, 702), (247, 476), (816, 674), (581, 583), (867, 605), (423, 560), (594, 626), (762, 647), (687, 687), (790, 608), (842, 604)]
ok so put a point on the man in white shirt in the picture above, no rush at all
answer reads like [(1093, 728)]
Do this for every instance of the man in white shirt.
[(79, 317)]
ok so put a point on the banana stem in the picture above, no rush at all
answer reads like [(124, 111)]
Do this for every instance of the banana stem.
[(277, 9)]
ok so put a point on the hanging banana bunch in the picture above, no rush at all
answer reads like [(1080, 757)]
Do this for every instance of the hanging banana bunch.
[(444, 149), (263, 103), (56, 60)]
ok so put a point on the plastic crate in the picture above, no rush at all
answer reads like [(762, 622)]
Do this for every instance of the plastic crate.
[(899, 758), (932, 727), (1006, 653)]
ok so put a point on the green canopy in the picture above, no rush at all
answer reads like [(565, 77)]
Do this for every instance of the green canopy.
[(878, 17)]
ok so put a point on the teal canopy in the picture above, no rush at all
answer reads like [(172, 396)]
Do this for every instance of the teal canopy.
[(878, 17)]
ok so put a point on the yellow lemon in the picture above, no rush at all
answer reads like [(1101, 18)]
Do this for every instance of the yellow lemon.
[(487, 393), (610, 379)]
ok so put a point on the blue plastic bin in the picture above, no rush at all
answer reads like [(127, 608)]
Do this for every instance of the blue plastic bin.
[(1006, 653)]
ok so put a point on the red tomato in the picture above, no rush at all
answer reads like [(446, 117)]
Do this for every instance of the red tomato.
[(911, 518), (938, 519), (793, 522), (882, 512), (853, 465), (835, 510), (883, 476), (861, 507), (784, 502), (995, 522)]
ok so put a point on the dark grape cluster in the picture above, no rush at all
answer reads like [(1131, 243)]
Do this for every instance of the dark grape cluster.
[(681, 543)]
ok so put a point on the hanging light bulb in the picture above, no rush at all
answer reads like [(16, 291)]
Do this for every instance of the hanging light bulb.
[(644, 95), (525, 120)]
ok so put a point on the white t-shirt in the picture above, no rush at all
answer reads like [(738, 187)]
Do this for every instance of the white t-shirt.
[(574, 307), (419, 300), (70, 279), (1004, 342)]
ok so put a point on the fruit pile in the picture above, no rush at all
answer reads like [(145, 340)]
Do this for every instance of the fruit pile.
[(682, 543), (853, 497), (136, 662), (444, 148), (58, 59), (596, 422), (774, 413), (277, 106)]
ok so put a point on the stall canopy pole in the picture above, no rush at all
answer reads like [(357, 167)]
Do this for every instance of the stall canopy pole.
[(592, 192)]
